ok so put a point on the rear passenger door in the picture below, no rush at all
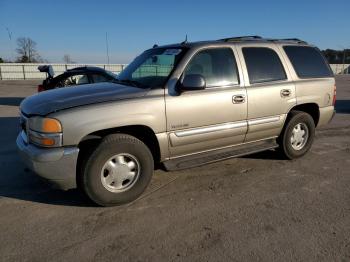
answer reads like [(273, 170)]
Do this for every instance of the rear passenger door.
[(270, 90)]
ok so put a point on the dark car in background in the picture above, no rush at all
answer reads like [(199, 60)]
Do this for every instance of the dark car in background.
[(76, 76)]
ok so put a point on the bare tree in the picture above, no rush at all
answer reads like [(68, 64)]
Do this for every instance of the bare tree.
[(26, 48), (67, 59)]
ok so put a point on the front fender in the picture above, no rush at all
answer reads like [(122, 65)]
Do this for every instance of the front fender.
[(81, 121)]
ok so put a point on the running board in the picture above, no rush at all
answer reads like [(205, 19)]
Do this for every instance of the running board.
[(220, 154)]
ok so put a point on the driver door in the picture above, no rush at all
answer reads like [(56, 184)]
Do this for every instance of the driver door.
[(212, 118)]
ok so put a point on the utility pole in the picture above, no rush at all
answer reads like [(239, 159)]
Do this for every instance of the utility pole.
[(107, 48), (10, 38), (343, 70)]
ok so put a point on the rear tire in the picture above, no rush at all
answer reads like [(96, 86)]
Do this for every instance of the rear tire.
[(297, 135), (118, 170)]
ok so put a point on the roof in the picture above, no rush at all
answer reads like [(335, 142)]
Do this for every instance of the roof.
[(87, 68), (236, 39)]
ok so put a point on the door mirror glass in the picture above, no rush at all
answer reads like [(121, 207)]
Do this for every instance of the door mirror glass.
[(193, 82)]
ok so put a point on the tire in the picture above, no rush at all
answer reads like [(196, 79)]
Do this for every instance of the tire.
[(297, 145), (118, 170)]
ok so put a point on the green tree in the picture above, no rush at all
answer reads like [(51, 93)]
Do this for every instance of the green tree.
[(1, 60)]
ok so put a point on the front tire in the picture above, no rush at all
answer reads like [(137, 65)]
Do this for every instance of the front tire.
[(297, 136), (118, 170)]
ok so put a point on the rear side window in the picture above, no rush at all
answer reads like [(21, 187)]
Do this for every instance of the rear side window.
[(96, 78), (263, 65), (307, 61)]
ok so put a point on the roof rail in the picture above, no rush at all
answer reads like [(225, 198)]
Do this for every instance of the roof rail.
[(238, 38), (256, 37), (294, 40)]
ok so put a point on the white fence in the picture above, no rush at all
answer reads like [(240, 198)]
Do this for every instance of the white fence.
[(340, 68), (18, 71)]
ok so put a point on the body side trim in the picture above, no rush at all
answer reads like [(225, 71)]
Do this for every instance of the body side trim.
[(210, 129), (263, 120)]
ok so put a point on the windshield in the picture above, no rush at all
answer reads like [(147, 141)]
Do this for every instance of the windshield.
[(152, 68)]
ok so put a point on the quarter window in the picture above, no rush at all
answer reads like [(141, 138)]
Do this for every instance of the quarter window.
[(263, 65), (96, 78), (76, 80), (217, 66), (307, 61)]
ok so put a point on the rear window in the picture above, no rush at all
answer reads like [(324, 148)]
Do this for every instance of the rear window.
[(263, 65), (308, 62)]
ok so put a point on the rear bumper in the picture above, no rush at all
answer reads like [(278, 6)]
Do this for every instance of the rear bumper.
[(58, 165), (326, 115)]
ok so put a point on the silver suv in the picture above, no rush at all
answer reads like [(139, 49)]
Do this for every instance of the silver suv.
[(181, 105)]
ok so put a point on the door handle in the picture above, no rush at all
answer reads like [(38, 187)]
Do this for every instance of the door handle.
[(286, 92), (238, 99)]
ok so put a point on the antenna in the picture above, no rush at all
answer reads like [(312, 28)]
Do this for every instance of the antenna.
[(184, 42)]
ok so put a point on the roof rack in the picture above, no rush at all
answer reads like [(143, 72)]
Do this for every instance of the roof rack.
[(293, 40), (239, 38), (259, 38)]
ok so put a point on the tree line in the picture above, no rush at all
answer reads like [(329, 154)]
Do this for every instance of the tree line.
[(28, 53), (337, 56)]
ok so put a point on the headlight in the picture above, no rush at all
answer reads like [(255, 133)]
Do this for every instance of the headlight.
[(45, 131)]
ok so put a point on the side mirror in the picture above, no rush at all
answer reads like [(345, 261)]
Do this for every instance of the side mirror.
[(193, 82)]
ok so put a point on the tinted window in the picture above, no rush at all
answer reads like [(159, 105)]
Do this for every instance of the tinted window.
[(263, 65), (99, 78), (76, 80), (217, 66), (307, 61)]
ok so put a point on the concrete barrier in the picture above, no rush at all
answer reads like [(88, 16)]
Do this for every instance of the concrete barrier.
[(20, 71), (23, 71)]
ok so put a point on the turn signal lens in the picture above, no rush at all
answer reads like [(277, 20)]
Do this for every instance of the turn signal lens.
[(50, 125), (334, 95), (44, 131), (45, 125), (47, 141)]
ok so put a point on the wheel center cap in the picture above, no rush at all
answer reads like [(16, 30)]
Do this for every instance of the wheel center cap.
[(120, 171), (298, 137)]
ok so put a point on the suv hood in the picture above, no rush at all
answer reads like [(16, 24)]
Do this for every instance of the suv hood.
[(68, 97)]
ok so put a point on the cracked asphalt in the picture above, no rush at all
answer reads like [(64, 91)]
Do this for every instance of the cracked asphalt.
[(253, 208)]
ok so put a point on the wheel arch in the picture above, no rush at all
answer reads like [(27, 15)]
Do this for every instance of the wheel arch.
[(141, 132), (311, 108)]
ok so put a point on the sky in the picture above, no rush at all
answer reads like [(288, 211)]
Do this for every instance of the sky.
[(78, 28)]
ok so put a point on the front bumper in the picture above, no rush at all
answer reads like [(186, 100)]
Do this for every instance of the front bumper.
[(58, 165)]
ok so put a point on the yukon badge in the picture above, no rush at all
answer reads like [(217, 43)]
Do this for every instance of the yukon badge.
[(177, 126)]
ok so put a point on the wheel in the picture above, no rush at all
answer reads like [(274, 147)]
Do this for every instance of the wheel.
[(118, 170), (297, 136)]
